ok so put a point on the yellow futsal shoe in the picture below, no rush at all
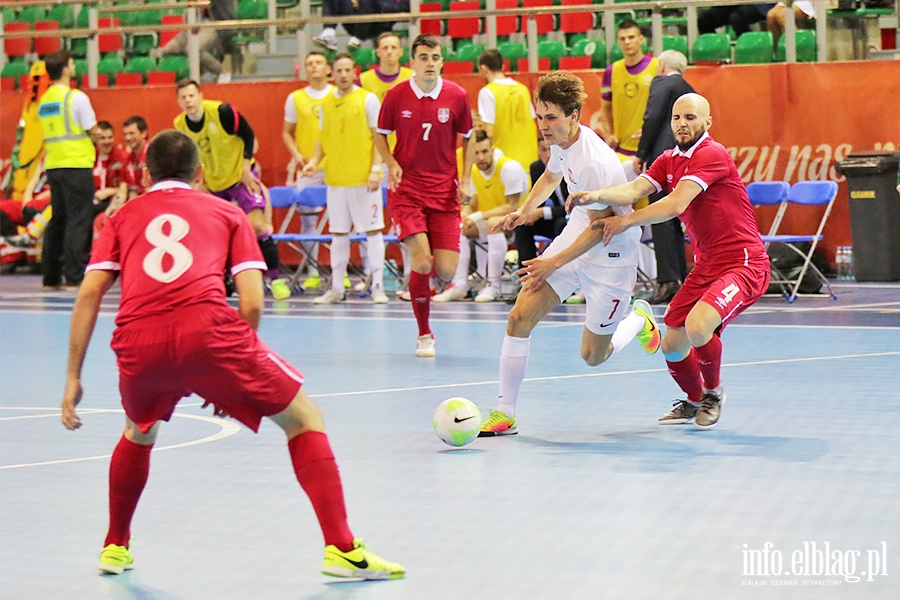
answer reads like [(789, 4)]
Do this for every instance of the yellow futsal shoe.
[(498, 424), (280, 290), (312, 283), (360, 563), (115, 559), (649, 337), (346, 282)]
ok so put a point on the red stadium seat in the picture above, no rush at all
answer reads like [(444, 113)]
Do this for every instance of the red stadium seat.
[(544, 22), (46, 45), (102, 80), (464, 27), (459, 67), (571, 63), (17, 46), (507, 26), (160, 78), (23, 82), (579, 22), (109, 42), (432, 26), (543, 65), (7, 84), (166, 36), (129, 79)]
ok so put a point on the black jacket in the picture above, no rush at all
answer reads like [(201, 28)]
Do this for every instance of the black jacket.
[(656, 135), (559, 195)]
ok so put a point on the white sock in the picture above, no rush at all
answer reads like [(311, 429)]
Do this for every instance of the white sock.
[(340, 256), (626, 330), (496, 257), (364, 256), (513, 361), (375, 242), (461, 278), (308, 224), (481, 260)]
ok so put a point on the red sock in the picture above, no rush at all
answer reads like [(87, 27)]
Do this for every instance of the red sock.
[(686, 374), (128, 472), (318, 476), (710, 358), (420, 294)]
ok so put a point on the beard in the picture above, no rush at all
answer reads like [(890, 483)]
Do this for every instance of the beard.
[(685, 146)]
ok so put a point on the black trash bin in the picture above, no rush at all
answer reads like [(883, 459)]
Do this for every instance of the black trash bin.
[(874, 214)]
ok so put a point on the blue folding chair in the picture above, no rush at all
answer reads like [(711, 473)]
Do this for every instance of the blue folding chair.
[(292, 199), (770, 193)]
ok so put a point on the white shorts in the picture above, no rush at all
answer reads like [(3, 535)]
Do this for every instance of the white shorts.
[(607, 289), (318, 178), (354, 208)]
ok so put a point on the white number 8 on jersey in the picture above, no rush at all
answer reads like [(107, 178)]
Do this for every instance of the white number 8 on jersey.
[(163, 244)]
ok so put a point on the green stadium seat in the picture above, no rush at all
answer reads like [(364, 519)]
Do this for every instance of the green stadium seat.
[(15, 68), (574, 38), (81, 67), (676, 42), (78, 47), (64, 14), (31, 14), (252, 9), (754, 47), (9, 14), (110, 65), (512, 51), (596, 49), (806, 46), (365, 58), (142, 65), (712, 47), (175, 64), (405, 56), (554, 50), (470, 52)]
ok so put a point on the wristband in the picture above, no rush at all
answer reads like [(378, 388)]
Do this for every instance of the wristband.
[(476, 216)]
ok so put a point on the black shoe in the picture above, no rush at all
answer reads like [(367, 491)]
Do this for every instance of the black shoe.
[(664, 292)]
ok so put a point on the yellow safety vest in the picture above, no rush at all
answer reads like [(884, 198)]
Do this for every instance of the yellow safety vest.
[(68, 145), (347, 139), (309, 123), (490, 191), (221, 152), (515, 131), (629, 101)]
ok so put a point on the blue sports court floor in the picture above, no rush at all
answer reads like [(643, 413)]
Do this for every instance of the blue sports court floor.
[(796, 493)]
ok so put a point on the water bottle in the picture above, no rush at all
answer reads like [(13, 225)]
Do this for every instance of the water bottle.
[(848, 262), (840, 262)]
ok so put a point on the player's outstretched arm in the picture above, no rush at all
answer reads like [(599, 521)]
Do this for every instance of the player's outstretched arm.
[(539, 193), (623, 194), (84, 316), (249, 286), (669, 207)]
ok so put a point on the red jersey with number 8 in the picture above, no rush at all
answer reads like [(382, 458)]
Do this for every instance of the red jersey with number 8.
[(172, 246), (426, 126)]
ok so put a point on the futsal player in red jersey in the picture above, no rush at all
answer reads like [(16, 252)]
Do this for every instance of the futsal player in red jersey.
[(424, 192), (176, 335), (731, 270)]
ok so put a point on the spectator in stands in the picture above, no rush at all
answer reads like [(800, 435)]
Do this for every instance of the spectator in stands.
[(804, 15), (739, 16), (359, 32), (300, 135), (110, 179), (214, 43), (547, 220), (353, 176), (656, 138), (137, 139), (499, 183), (387, 7), (506, 111), (67, 120)]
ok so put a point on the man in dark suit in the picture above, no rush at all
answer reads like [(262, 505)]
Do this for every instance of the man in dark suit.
[(656, 138), (547, 220)]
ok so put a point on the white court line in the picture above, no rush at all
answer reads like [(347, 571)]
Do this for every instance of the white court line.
[(603, 374), (229, 428)]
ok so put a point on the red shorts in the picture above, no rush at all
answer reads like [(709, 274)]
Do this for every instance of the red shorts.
[(439, 220), (214, 354), (730, 291)]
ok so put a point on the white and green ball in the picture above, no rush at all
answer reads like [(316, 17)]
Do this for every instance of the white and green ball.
[(457, 421)]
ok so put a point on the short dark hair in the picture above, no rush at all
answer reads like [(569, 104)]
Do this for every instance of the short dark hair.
[(172, 155), (425, 39), (56, 62), (105, 125), (492, 59), (481, 135), (386, 34), (340, 55), (629, 24), (318, 53), (183, 83), (561, 88), (136, 120)]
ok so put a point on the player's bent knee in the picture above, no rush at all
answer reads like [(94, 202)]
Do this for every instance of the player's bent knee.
[(300, 416), (519, 323), (134, 434)]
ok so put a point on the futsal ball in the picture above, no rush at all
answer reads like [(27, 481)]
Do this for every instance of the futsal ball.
[(457, 421)]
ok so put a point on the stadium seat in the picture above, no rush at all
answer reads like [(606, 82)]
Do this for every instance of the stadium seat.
[(522, 65), (7, 84), (464, 27), (250, 10), (166, 36), (470, 52), (110, 65), (31, 14), (554, 50), (16, 46), (81, 66), (431, 26), (102, 80), (15, 69), (365, 58), (544, 22), (712, 48), (574, 63), (754, 47), (64, 14), (8, 13), (596, 49), (513, 51), (678, 43), (176, 64), (507, 25), (109, 42), (161, 78), (46, 45), (580, 22), (806, 46), (140, 65)]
